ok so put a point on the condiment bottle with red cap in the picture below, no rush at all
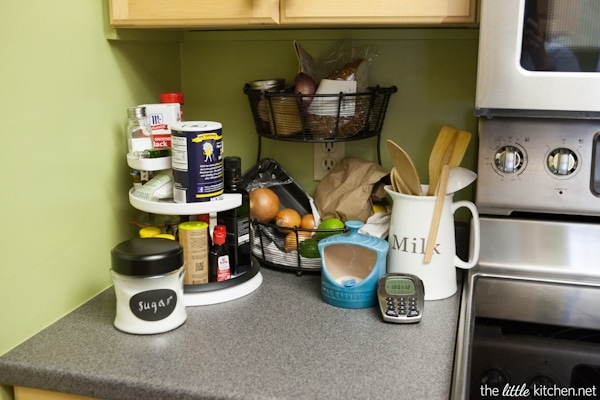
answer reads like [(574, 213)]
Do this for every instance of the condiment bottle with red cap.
[(218, 259), (173, 97)]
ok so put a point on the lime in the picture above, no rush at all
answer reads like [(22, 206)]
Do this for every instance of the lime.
[(329, 224), (309, 248)]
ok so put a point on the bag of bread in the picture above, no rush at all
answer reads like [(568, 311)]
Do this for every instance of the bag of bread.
[(341, 107), (348, 63)]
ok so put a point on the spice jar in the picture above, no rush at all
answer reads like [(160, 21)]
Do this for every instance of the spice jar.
[(139, 135), (148, 279)]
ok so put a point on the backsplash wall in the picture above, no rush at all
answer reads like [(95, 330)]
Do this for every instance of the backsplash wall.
[(434, 70)]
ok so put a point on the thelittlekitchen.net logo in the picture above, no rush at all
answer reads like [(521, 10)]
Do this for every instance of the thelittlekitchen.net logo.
[(537, 391)]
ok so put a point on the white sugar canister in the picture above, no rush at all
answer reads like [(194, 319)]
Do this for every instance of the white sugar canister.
[(148, 280)]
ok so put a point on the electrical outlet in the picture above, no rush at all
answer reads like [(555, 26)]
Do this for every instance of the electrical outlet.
[(326, 156)]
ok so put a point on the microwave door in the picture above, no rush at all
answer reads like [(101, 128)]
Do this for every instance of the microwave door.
[(539, 57), (595, 184), (557, 36)]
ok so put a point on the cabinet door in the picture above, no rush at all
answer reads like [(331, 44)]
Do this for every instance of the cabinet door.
[(377, 12), (25, 393), (192, 13)]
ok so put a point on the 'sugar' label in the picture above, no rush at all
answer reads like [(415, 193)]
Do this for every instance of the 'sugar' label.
[(153, 305)]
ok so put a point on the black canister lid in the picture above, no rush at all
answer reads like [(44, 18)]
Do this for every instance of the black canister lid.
[(147, 257)]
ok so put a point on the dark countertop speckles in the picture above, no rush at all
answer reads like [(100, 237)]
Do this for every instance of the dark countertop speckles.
[(280, 342)]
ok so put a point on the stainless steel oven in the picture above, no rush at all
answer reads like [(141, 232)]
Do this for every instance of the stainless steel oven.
[(530, 316)]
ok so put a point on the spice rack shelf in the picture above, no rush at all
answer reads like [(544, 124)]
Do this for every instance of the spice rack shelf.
[(149, 164), (168, 207), (213, 292)]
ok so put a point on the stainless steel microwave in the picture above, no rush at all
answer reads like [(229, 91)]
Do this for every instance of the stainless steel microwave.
[(539, 58)]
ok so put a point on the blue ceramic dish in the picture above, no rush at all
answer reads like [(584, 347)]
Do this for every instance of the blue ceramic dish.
[(351, 265)]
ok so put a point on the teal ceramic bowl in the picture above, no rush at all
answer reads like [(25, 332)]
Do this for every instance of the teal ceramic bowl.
[(352, 263)]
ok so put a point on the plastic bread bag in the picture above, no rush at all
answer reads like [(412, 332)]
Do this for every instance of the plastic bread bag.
[(347, 63), (267, 173)]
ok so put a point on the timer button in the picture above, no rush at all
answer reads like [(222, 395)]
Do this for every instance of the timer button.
[(391, 313)]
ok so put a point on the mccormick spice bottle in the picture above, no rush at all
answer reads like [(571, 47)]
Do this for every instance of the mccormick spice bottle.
[(219, 257), (236, 220)]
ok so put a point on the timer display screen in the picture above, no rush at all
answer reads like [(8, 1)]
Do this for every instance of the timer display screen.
[(400, 286)]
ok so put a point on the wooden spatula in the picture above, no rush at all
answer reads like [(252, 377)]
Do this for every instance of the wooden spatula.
[(449, 148), (440, 155), (405, 168)]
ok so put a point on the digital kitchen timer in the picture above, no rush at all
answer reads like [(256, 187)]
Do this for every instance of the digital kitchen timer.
[(401, 298)]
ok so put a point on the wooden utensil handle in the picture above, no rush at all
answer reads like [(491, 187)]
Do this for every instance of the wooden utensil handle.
[(437, 213)]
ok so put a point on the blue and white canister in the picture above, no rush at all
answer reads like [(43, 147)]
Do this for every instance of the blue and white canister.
[(197, 161)]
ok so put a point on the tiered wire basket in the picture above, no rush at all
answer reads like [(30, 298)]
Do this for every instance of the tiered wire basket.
[(319, 117)]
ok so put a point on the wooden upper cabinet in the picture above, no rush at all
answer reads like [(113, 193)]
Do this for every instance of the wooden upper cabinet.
[(240, 14), (192, 13), (377, 12)]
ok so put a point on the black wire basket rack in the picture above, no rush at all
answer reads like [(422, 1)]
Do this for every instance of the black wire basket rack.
[(319, 117)]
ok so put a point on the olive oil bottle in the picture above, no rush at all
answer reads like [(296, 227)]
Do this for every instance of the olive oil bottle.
[(237, 220)]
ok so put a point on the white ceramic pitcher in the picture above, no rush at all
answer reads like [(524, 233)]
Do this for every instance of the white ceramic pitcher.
[(409, 229)]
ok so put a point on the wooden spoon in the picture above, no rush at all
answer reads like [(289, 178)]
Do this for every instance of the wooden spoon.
[(449, 148), (397, 183), (437, 213), (393, 181), (405, 168)]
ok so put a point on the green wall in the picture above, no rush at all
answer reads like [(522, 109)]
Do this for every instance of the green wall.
[(64, 89), (434, 70)]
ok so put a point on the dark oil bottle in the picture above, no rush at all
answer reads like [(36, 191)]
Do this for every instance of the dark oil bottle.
[(218, 257), (237, 220)]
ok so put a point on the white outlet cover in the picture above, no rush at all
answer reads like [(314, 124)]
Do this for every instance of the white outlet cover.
[(326, 157)]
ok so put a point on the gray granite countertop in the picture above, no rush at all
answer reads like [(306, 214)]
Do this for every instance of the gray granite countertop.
[(280, 342)]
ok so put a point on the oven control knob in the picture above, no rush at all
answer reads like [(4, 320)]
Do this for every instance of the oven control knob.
[(537, 383), (509, 159), (494, 378), (562, 161)]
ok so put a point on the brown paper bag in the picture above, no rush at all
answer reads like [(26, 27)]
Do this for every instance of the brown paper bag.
[(350, 188)]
